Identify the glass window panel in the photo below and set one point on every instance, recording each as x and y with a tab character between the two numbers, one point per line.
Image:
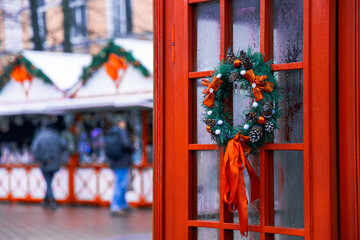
291	122
208	196
208	36
246	25
287	237
251	236
289	189
202	136
253	207
241	102
288	31
207	234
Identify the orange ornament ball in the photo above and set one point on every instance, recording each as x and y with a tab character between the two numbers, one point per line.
237	63
208	129
261	120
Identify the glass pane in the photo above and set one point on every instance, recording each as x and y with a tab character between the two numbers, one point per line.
291	122
289	189
253	207
246	25
208	36
241	102
251	236
287	237
208	196
288	31
207	234
202	136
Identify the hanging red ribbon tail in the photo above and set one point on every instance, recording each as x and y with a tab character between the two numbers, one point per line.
233	182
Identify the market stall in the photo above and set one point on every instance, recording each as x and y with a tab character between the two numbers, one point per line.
113	82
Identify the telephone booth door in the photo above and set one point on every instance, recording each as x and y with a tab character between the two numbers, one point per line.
298	191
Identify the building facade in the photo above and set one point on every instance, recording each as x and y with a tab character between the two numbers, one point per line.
92	23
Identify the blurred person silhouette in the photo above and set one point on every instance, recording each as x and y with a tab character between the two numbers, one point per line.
49	151
118	149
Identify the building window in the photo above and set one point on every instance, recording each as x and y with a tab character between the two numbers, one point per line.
122	17
41	12
78	28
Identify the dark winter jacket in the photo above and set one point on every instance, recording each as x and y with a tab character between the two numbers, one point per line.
127	149
49	150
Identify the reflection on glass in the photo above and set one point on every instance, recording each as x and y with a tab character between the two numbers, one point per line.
241	102
289	189
207	234
287	237
208	36
208	196
246	25
203	137
251	236
253	207
291	122
288	31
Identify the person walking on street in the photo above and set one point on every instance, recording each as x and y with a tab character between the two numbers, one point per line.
118	149
49	151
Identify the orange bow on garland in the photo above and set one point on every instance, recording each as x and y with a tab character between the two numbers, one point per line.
258	84
233	182
210	91
113	65
20	74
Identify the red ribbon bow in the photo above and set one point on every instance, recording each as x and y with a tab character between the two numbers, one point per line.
258	84
232	180
210	91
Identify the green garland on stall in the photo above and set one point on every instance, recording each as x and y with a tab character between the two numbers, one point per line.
225	131
5	73
102	57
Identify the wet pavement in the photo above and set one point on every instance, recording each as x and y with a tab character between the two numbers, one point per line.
28	222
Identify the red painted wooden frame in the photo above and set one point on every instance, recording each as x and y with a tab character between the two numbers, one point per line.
349	117
174	178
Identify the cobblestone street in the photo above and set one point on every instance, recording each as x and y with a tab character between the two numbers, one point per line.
27	222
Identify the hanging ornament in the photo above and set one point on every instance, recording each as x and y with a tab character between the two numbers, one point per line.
234	76
208	129
267	110
209	112
255	133
217	131
230	56
220	122
261	120
255	104
242	73
246	126
269	126
251	117
237	63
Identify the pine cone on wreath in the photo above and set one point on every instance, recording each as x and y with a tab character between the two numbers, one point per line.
250	117
267	110
210	122
230	56
269	126
245	61
234	76
255	133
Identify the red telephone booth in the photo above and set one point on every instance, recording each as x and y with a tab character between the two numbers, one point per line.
300	172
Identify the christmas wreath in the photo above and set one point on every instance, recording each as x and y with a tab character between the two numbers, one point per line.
254	75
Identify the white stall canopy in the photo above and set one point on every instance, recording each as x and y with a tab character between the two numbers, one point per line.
119	76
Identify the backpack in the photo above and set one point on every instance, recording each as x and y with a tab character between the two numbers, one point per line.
113	145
